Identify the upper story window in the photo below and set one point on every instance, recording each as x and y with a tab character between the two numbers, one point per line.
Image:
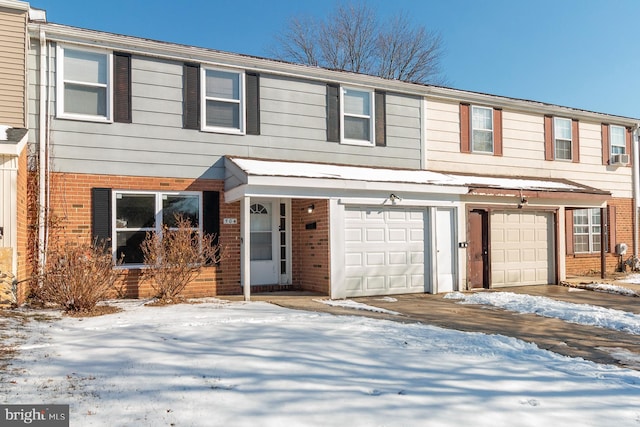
84	83
618	139
586	230
562	138
223	101
357	116
482	129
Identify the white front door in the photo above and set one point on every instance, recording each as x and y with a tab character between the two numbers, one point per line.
264	245
445	250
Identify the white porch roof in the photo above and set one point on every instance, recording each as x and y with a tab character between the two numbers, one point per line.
277	178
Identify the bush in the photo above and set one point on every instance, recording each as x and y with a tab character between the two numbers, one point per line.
77	277
175	259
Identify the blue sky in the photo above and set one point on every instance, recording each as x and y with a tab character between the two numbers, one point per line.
577	53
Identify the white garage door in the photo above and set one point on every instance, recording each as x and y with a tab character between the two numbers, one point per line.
521	248
384	251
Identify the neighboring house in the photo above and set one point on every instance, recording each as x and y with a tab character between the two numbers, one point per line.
314	179
13	139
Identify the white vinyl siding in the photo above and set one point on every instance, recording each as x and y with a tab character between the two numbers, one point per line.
84	84
357	116
223	95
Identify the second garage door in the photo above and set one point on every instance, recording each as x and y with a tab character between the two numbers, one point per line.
384	251
521	248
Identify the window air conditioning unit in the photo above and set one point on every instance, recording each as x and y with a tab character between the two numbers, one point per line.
620	159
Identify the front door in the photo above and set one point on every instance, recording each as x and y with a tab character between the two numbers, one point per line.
445	250
264	245
478	249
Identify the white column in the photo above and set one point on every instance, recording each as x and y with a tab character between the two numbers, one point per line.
245	246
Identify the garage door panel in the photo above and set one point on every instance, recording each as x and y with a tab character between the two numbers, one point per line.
375	235
397	258
398	282
520	248
392	246
397	235
375	283
374	259
353	259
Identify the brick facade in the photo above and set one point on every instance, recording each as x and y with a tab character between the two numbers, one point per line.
70	203
587	264
311	250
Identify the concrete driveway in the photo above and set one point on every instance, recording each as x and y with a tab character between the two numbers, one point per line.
589	342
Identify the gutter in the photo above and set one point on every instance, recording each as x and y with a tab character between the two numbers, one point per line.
42	148
636	187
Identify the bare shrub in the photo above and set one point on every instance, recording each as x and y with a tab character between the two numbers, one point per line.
175	258
77	277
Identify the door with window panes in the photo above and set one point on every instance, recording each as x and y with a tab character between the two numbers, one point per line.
269	247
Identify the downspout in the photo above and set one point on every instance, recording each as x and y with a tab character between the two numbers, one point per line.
42	142
635	169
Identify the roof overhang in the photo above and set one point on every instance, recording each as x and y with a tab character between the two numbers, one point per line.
14	142
277	178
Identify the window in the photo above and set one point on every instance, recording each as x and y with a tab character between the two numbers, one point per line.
586	230
562	138
618	139
84	83
482	129
223	101
357	116
138	213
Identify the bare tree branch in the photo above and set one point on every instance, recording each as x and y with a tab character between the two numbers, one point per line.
351	38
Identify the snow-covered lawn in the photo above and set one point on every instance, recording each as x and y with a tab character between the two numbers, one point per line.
255	364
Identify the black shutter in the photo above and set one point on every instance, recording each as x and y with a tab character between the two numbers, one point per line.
211	214
101	215
121	87
381	119
191	96
253	103
333	113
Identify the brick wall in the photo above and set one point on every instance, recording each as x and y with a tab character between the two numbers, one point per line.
70	202
24	268
311	256
587	264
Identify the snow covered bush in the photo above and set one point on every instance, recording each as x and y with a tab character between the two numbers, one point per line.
77	276
175	258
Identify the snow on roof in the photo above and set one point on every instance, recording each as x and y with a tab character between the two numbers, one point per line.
372	174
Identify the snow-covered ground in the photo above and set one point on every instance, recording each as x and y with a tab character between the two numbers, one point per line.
583	314
255	364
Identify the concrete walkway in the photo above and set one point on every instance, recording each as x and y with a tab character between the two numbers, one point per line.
568	339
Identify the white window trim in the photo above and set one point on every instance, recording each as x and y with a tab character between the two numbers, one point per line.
555	139
590	224
60	81
624	141
158	217
241	102
473	150
371	117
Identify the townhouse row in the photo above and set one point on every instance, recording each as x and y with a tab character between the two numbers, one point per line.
314	179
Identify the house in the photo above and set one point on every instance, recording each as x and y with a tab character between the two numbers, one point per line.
314	179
